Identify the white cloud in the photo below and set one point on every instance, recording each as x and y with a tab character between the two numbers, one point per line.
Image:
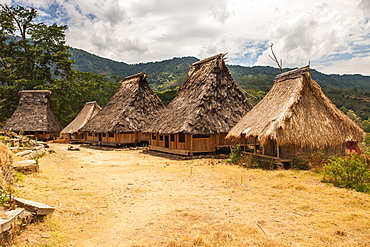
132	31
326	30
356	65
7	2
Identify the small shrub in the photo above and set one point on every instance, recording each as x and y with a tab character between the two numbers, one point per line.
4	197
19	177
37	156
349	172
236	154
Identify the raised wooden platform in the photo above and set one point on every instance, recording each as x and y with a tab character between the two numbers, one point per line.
277	159
77	141
170	150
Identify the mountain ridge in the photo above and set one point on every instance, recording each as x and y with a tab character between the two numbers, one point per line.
347	92
86	61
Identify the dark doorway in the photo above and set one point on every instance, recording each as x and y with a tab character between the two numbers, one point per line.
166	141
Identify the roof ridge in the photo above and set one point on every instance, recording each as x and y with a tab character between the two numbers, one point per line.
141	74
293	73
210	58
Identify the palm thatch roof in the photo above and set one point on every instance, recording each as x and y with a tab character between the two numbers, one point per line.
130	109
296	112
208	102
89	111
33	113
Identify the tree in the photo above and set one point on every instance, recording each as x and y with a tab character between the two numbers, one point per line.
31	55
70	95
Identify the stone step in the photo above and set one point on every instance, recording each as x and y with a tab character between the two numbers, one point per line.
34	207
10	218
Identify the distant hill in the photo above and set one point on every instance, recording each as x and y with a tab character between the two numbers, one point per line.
348	92
167	74
164	73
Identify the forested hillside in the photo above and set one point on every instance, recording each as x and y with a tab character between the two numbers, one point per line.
348	92
167	74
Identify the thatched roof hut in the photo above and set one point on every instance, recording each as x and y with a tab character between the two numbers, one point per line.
129	110
208	102
33	114
297	115
89	111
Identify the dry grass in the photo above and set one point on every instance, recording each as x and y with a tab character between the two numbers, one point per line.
127	198
6	167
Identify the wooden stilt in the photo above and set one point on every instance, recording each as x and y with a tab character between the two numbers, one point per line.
255	145
191	144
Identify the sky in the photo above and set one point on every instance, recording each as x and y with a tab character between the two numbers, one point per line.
333	36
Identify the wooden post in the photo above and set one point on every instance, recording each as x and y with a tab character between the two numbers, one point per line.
255	144
191	144
277	150
217	140
263	150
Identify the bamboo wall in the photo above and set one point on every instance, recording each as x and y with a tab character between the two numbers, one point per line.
292	151
172	143
75	136
116	139
42	135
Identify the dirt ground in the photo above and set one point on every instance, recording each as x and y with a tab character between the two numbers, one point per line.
132	198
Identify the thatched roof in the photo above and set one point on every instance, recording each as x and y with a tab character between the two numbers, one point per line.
131	108
208	102
89	111
296	112
33	113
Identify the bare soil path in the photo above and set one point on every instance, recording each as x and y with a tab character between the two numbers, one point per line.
131	198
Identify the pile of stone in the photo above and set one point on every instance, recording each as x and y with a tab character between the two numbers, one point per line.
28	149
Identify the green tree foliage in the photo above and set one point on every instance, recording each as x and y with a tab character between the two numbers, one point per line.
352	115
167	95
69	96
349	172
366	125
31	55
